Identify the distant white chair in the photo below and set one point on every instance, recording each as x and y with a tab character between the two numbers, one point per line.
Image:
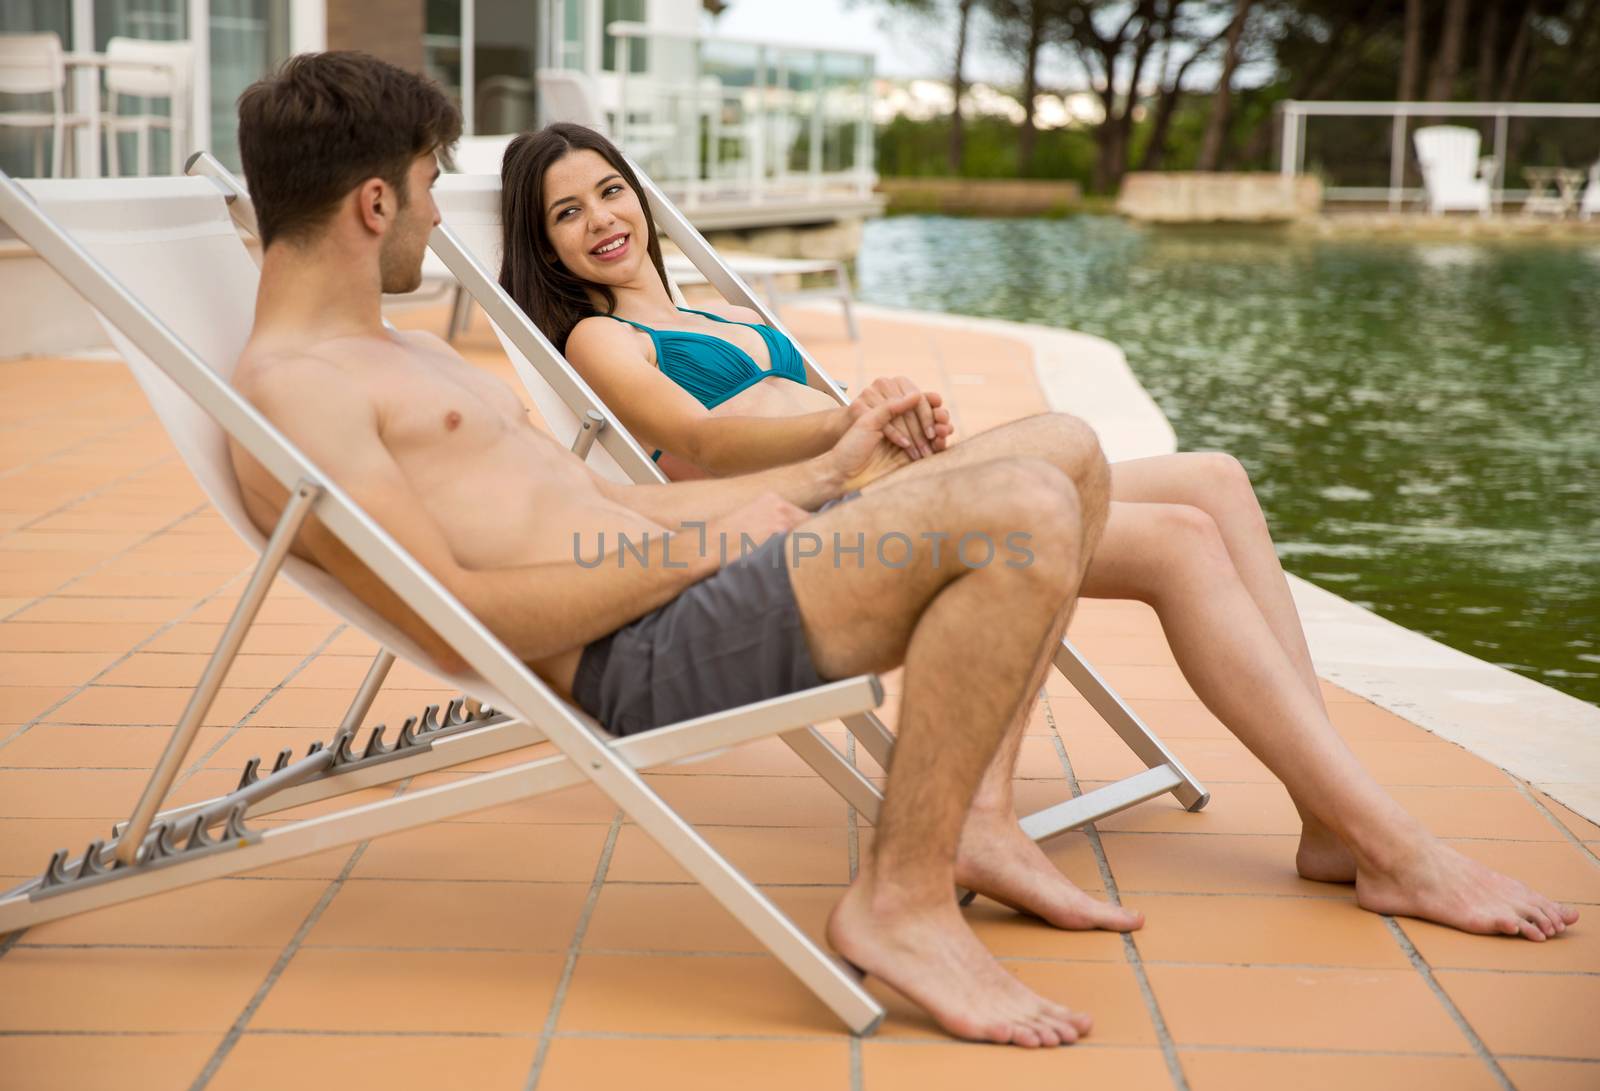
565	95
147	70
1591	193
1455	178
32	64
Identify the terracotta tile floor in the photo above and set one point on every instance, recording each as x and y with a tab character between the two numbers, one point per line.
548	943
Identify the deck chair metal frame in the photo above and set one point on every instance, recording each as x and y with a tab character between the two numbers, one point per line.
566	401
156	851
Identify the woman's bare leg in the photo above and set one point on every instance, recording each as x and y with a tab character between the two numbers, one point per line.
1173	556
1218	485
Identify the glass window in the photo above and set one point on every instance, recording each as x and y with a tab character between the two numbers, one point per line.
623	11
505	45
249	38
26	152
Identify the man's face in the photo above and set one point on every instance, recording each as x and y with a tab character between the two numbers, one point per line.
406	241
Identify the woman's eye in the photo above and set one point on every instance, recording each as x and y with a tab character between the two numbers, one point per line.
615	188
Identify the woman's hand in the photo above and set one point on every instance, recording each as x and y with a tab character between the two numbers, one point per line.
864	453
919	431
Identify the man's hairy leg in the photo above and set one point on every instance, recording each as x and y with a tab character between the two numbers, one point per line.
1174	557
996	858
971	640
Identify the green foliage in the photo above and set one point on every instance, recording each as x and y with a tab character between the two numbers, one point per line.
918	149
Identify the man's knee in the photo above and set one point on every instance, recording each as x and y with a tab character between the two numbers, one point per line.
1075	448
1030	510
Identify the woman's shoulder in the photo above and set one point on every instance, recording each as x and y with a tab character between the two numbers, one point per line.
602	334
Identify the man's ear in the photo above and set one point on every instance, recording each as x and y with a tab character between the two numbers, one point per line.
375	205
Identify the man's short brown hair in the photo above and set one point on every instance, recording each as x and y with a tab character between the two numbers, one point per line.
326	122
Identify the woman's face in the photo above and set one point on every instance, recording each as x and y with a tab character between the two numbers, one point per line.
594	220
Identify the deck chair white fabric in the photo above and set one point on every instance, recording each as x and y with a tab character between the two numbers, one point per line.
469	243
161	261
1454	177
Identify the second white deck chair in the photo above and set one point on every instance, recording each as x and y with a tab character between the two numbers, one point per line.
1455	179
162	263
469	243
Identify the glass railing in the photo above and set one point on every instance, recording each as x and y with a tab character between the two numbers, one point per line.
733	120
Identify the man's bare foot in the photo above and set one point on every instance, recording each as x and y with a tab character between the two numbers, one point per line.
930	955
1323	858
1437	883
999	861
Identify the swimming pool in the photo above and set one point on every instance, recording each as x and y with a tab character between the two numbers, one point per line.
1421	419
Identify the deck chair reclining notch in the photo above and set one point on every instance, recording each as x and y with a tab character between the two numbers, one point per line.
180	335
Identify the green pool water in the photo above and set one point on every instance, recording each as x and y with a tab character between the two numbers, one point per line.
1421	419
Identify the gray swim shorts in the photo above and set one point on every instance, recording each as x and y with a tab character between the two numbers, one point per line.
730	640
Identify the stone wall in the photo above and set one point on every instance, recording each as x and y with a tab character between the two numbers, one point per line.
1213	197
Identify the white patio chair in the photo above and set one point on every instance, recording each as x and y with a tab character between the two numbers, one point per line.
469	243
161	261
1453	175
565	95
147	70
32	64
1591	193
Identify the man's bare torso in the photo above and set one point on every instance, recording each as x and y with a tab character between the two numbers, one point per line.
503	494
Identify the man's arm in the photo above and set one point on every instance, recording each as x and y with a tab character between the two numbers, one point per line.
538	610
860	456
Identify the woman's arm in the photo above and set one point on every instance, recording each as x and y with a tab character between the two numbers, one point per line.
662	414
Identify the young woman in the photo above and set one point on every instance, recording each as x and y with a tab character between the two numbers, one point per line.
721	394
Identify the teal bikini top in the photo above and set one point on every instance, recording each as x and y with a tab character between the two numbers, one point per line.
714	370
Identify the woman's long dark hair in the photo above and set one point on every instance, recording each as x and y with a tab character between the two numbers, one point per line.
530	272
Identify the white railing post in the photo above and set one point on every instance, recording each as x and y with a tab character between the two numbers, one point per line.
1499	158
1289	151
1397	161
814	160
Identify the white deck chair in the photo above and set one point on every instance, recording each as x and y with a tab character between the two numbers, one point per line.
469	243
1590	204
161	261
1455	179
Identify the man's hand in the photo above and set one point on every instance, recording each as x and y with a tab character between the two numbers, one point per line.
864	453
920	431
758	520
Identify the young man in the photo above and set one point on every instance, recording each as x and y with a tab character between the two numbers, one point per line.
340	153
339	150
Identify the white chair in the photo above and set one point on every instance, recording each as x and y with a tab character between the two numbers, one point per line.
147	70
161	261
565	95
1453	175
1591	193
32	64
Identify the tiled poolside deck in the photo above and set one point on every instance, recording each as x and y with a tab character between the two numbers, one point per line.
549	944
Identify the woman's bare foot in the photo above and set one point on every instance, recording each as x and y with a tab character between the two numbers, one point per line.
1322	857
999	861
930	955
1436	883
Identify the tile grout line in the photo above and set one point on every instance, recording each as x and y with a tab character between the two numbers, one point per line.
1425	971
45	460
129	654
290	949
1559	825
1169	1048
92	494
559	997
199	763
